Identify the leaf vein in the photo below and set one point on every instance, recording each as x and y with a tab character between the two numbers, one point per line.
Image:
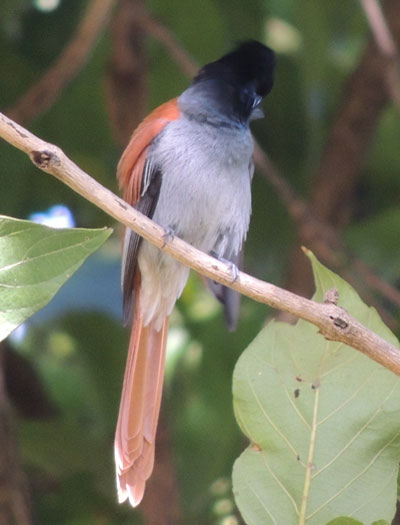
355	478
268	419
359	432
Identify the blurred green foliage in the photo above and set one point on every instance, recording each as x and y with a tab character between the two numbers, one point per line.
80	351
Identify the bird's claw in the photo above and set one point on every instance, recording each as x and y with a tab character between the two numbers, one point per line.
233	269
232	266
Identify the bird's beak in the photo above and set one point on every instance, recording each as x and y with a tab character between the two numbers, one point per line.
256	113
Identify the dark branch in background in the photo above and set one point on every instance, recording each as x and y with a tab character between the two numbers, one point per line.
15	504
127	82
386	44
45	92
325	241
127	96
161	502
160	32
379	27
24	386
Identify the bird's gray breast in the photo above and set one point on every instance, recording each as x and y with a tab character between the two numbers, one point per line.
205	192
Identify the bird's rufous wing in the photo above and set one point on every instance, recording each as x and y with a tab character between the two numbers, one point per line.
140	180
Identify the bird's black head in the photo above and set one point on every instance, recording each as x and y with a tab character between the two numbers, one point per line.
239	80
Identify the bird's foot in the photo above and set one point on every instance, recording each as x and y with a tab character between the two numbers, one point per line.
232	266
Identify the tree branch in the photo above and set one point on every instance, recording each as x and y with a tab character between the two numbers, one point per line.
333	322
42	95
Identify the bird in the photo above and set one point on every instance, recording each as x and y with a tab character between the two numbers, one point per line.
188	166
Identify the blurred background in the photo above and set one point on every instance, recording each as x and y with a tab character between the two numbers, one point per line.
82	74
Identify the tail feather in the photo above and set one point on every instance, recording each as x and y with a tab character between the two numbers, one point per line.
139	409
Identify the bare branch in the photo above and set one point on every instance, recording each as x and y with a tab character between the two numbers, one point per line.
333	322
72	59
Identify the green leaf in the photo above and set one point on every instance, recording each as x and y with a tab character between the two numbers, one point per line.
35	261
323	421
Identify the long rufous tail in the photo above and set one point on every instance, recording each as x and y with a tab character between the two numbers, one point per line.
139	409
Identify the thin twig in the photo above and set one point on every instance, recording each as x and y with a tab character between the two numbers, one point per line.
43	93
379	27
386	44
375	282
322	235
160	32
333	322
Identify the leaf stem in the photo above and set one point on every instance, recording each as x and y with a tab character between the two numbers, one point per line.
310	465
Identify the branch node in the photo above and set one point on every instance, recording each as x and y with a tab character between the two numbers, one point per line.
44	159
340	322
331	296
